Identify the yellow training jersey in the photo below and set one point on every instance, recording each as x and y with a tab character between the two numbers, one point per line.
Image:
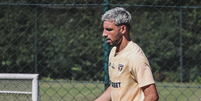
129	70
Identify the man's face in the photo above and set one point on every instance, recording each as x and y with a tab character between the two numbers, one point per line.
111	33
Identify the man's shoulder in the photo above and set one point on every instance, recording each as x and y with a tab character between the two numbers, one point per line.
135	51
133	48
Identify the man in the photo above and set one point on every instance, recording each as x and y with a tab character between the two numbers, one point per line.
129	70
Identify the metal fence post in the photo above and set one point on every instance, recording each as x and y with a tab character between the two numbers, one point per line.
36	50
106	51
181	60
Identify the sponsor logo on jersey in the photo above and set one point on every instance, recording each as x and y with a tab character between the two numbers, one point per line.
112	65
115	84
120	67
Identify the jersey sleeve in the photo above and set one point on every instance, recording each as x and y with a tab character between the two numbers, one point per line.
141	70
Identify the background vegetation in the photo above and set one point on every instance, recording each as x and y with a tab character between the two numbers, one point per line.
61	39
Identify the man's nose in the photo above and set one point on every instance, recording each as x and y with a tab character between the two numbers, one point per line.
104	34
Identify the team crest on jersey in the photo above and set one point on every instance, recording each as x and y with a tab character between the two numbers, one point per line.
120	67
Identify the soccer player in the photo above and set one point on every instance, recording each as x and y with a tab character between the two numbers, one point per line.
130	74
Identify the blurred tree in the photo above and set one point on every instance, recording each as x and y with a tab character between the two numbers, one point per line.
68	44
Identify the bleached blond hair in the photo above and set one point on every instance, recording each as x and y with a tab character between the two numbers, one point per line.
119	15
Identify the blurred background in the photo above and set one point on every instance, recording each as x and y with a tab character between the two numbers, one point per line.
61	40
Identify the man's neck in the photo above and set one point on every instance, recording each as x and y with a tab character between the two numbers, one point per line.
122	46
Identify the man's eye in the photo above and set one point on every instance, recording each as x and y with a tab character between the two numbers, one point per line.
108	29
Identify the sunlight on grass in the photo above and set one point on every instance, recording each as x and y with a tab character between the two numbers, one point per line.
62	91
75	91
179	91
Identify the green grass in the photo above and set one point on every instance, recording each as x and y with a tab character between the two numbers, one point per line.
61	91
77	91
15	85
179	91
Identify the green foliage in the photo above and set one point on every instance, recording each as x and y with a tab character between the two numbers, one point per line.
65	42
198	80
159	35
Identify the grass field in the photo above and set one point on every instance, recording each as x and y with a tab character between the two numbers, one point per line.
15	85
62	91
179	91
77	91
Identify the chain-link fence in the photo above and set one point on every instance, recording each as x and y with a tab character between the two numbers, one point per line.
61	40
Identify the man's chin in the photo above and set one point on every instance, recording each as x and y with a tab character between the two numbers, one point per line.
111	44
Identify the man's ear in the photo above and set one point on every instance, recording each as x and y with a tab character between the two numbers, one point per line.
123	29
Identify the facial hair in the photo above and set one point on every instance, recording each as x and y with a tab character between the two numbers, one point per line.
118	40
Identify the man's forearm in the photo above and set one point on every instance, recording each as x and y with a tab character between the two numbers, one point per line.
150	93
106	96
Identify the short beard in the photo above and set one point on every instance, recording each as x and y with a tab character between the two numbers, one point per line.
118	41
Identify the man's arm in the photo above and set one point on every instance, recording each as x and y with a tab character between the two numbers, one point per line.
106	96
150	93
